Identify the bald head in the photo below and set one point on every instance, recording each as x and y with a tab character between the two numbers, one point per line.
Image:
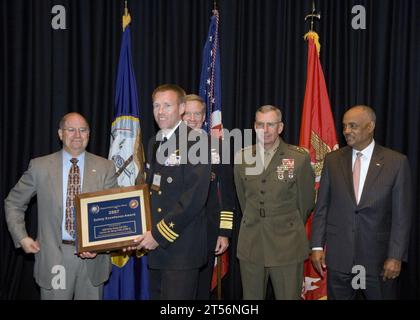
358	126
366	109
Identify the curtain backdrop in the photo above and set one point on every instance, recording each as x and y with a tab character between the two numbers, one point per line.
45	73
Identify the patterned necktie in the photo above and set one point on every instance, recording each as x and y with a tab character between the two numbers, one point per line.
73	188
356	175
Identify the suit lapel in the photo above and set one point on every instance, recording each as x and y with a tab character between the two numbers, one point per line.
88	174
155	143
375	167
170	146
56	171
346	168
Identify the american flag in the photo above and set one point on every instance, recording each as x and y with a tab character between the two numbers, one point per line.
211	92
210	80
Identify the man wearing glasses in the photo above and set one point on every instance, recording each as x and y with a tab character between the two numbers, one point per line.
275	202
56	179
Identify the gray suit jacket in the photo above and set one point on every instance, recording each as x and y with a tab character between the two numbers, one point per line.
375	229
44	179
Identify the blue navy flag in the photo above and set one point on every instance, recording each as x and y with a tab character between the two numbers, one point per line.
210	79
129	279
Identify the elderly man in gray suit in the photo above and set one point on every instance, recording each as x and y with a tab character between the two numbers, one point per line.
362	214
56	179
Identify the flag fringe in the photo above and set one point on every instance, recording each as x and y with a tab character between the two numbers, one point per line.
126	19
315	37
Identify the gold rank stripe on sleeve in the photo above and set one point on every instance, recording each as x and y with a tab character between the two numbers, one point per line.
167	233
226	220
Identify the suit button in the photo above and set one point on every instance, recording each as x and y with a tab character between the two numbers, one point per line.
263	180
159	210
261	202
356	212
262	191
160	192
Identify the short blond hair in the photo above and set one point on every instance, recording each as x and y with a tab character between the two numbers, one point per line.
170	87
195	97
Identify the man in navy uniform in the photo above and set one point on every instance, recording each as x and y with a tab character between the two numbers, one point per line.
220	202
178	191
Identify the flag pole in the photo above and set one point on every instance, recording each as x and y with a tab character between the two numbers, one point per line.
218	258
311	33
219	277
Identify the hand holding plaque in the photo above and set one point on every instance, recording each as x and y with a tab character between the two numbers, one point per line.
111	219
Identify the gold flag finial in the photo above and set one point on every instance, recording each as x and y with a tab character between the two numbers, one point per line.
214	7
311	33
126	17
313	16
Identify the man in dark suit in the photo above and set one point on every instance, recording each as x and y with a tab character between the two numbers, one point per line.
48	177
220	201
363	213
179	189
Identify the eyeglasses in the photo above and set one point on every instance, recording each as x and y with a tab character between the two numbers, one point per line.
82	130
271	125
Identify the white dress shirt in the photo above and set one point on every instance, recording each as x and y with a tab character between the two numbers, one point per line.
364	164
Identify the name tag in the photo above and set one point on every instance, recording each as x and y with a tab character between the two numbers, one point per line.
156	182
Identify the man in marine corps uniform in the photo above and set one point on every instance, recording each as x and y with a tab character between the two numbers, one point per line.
220	201
178	192
276	195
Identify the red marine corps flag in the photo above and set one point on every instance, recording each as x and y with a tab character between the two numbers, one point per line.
317	134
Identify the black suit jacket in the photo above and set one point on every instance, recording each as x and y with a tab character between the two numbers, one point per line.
220	203
178	207
375	229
